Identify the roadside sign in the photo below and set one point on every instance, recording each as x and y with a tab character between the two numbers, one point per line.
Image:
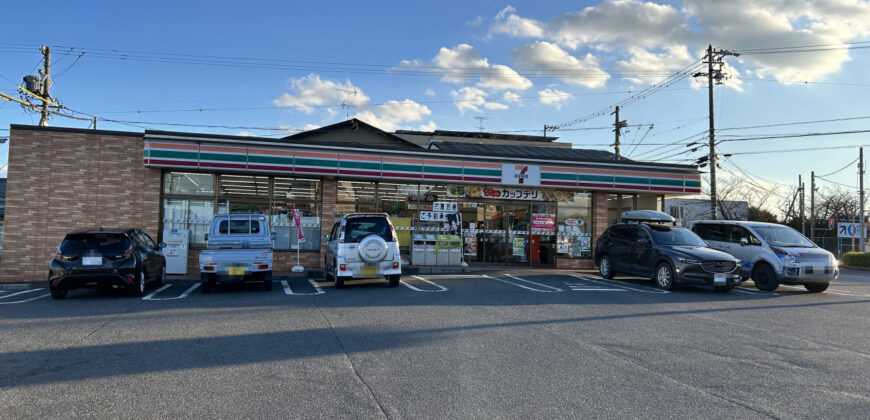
848	230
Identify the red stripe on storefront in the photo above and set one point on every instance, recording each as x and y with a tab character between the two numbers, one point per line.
671	189
153	161
447	177
223	165
401	175
317	170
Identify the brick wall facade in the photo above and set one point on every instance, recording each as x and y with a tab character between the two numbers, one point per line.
64	180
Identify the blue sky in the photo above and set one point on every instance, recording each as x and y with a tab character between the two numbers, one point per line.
438	65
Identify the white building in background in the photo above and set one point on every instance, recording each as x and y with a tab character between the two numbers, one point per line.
686	210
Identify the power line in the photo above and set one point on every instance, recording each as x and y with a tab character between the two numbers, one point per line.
841	169
794	123
838	183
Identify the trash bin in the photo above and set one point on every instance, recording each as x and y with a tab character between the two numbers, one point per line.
418	249
442	250
454	250
430	250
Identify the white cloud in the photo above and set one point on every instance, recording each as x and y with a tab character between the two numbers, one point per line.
553	97
477	21
391	115
511	97
648	67
473	99
312	91
507	22
246	134
430	126
429	92
462	64
551	60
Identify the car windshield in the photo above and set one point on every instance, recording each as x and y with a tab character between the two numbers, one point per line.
676	237
102	243
783	236
358	228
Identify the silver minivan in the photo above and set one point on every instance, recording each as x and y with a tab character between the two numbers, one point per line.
771	253
361	246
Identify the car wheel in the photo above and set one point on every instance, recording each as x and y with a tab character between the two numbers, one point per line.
816	288
207	281
723	288
267	280
605	267
138	288
162	280
58	292
339	282
394	280
664	276
764	278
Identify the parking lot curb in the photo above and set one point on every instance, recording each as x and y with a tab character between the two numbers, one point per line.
854	267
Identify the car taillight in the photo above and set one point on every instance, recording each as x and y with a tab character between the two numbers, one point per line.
341	235
262	267
342	267
129	252
395	265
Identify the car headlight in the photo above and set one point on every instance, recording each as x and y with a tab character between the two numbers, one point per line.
790	259
688	260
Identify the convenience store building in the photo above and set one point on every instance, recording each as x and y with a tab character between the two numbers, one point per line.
520	200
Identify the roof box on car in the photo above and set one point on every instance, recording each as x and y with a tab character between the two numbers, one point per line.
647	216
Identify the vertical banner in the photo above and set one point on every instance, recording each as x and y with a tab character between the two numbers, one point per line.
297	218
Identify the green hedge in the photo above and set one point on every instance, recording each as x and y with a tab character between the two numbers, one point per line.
861	259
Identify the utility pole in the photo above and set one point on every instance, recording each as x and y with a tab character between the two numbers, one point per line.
714	57
46	82
861	197
813	206
803	219
550	127
617	127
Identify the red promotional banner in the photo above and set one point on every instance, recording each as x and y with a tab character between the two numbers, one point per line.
297	218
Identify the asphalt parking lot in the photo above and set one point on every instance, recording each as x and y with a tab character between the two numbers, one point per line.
500	344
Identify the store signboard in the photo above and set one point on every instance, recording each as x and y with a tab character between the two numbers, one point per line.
513	174
434	216
512	193
445	206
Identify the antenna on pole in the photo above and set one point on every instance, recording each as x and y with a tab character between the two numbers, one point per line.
480	120
344	103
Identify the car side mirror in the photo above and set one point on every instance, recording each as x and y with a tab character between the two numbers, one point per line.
326	238
205	237
644	242
161	245
744	241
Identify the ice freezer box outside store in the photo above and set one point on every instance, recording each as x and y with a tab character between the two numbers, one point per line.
454	250
431	241
175	251
442	247
418	249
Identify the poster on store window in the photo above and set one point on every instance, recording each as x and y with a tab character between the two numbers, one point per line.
469	245
519	246
543	221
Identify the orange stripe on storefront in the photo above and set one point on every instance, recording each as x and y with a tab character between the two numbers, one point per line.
271	152
559	169
317	155
482	165
403	160
360	157
223	149
174	146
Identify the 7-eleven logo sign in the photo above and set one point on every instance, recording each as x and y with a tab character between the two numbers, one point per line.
514	174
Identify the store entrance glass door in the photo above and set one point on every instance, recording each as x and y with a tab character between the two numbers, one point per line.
517	225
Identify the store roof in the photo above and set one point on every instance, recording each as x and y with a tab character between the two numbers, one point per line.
531	152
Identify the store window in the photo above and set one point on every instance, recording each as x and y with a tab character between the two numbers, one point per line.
575	227
188	203
303	195
356	196
183	183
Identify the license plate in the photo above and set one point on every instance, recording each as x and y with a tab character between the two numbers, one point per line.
368	270
237	271
719	279
92	260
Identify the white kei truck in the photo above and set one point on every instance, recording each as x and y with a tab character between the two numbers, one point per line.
239	248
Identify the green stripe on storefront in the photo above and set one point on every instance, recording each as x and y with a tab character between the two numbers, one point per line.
221	157
631	180
316	162
556	175
359	165
174	154
443	170
673	182
696	184
483	172
403	168
270	159
596	178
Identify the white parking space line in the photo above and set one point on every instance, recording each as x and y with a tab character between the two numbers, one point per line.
614	283
23	300
831	291
22	292
289	291
581	287
754	292
166	286
552	289
416	289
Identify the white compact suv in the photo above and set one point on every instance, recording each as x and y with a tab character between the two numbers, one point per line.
771	253
360	246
